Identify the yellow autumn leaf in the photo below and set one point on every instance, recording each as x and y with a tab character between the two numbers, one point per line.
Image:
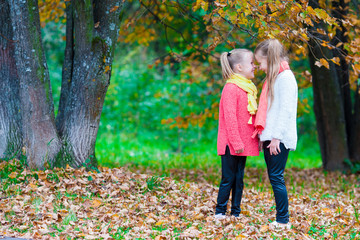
205	6
13	175
114	9
356	67
322	14
245	212
32	186
240	236
264	228
336	60
96	203
239	226
326	210
196	5
311	10
199	216
322	62
42	175
304	35
159	223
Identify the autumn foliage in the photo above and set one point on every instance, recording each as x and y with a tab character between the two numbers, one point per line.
197	32
118	204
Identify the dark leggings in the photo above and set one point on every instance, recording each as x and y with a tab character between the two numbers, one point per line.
275	167
232	175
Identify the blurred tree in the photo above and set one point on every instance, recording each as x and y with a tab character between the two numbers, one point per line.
91	32
336	127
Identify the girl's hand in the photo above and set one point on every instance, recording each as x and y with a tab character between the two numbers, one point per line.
261	146
274	146
239	151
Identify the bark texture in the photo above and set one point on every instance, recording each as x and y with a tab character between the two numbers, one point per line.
38	124
331	101
339	10
355	141
94	28
329	113
67	69
355	130
10	118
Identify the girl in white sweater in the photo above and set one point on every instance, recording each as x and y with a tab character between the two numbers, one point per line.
276	121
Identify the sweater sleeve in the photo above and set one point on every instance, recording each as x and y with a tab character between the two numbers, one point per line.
286	92
230	106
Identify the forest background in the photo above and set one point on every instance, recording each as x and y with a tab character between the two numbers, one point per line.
150	69
152	92
157	64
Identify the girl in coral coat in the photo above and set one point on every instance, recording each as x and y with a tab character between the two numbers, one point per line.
236	116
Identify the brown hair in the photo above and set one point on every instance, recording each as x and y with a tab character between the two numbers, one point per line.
274	53
228	61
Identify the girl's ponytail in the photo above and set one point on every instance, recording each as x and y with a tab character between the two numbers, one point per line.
227	71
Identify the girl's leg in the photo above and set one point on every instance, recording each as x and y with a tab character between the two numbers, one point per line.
228	164
275	167
238	185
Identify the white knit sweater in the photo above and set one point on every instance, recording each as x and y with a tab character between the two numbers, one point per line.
281	117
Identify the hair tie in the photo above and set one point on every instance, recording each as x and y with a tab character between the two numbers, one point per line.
229	53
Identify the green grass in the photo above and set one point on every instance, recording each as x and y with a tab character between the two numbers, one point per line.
120	149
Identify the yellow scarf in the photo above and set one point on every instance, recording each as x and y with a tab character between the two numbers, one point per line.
249	87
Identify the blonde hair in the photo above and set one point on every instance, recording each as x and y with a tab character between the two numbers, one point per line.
274	53
228	61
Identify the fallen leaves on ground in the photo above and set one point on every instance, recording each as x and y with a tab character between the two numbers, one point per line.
119	204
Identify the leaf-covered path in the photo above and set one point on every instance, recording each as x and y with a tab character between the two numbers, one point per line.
119	204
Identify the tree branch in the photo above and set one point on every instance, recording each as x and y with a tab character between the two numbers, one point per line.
240	28
13	41
174	29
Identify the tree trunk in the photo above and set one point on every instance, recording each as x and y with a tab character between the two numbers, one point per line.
67	69
39	134
95	29
328	104
339	11
10	118
355	136
355	140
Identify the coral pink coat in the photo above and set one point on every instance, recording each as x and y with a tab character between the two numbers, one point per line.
234	129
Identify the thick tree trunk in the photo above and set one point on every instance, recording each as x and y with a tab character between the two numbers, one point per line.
95	30
339	11
328	104
10	118
355	136
39	134
355	141
67	69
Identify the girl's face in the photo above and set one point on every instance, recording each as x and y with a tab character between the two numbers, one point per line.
262	62
247	67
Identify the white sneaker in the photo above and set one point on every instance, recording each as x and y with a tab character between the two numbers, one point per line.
220	216
279	226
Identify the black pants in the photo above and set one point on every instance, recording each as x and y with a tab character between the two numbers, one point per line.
275	167
232	175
